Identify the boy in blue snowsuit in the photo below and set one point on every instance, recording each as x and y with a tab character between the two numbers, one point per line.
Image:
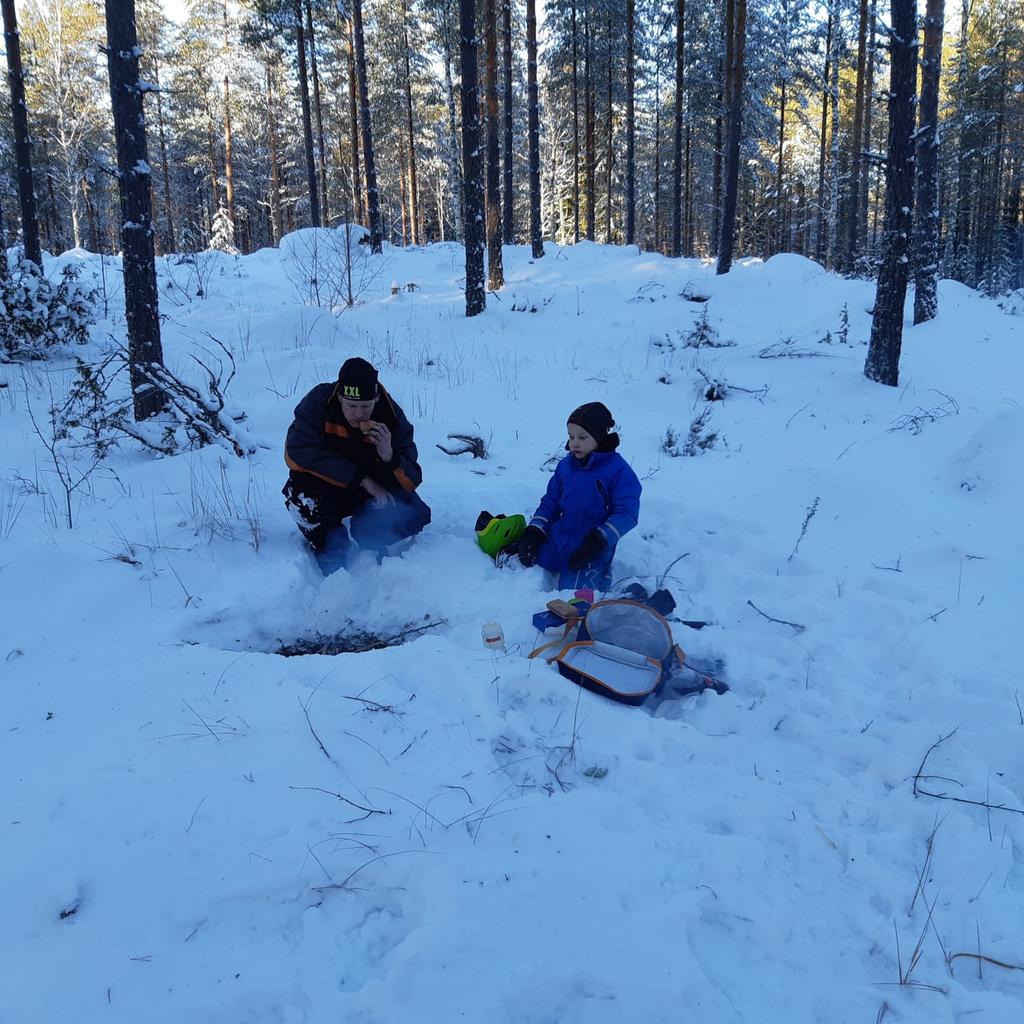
592	500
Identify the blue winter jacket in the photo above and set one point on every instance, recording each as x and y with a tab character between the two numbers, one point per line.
602	492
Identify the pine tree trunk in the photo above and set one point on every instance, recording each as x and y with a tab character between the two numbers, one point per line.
355	171
856	158
630	122
832	253
353	116
883	359
737	17
142	311
716	186
575	126
507	205
325	208
307	122
657	159
688	217
864	187
229	165
555	191
454	160
473	204
402	196
991	227
276	221
926	223
169	242
821	243
961	236
414	200
372	196
677	137
211	159
608	136
533	115
590	155
780	227
495	271
22	139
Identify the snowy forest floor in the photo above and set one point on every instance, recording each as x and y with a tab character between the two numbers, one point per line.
196	828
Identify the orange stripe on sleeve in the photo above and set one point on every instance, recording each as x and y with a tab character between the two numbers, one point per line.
293	465
404	480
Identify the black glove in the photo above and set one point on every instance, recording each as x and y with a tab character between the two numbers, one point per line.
590	547
529	545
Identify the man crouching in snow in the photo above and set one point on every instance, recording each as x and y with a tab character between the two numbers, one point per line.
350	452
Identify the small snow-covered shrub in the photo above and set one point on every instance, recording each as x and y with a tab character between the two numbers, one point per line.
699	438
38	315
704	334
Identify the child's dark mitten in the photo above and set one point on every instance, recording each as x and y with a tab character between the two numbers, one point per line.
590	547
529	545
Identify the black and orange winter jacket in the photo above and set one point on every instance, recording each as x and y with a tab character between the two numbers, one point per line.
320	442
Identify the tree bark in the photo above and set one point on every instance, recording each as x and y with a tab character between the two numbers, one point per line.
507	197
473	204
454	162
142	311
325	207
575	127
229	164
677	137
610	125
169	242
630	122
276	219
533	114
211	159
737	18
688	219
372	196
353	115
856	158
780	164
821	243
414	201
402	194
832	253
962	230
864	187
716	204
495	271
883	359
590	155
657	159
22	139
926	224
307	123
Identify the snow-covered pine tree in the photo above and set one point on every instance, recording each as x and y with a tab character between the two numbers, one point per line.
883	358
22	140
142	310
476	296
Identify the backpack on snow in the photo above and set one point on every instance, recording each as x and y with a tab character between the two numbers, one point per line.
619	649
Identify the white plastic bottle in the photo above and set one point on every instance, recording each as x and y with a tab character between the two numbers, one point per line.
493	636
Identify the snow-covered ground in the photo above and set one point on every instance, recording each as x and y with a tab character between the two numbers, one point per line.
195	828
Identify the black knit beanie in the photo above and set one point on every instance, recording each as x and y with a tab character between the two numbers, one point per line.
357	381
597	421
